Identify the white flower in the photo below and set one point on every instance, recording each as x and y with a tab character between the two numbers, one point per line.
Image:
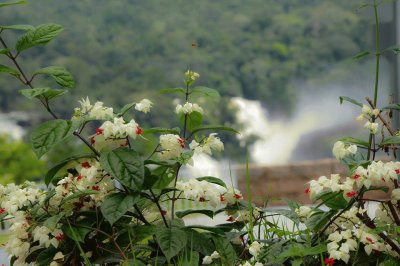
98	111
340	150
303	212
144	106
172	146
215	255
188	108
396	194
372	127
85	105
191	75
255	248
207	260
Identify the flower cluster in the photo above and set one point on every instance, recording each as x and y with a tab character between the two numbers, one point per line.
188	108
209	259
191	75
212	142
370	115
213	194
341	150
96	111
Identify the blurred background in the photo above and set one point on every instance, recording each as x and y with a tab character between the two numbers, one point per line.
280	67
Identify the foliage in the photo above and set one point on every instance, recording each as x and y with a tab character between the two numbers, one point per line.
112	206
17	162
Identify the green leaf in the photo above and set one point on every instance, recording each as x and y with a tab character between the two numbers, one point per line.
4	51
182	214
319	219
56	168
76	233
217	128
59	74
333	200
17	27
190	258
175	90
125	165
390	140
162	130
9	70
171	240
193	120
125	109
298	250
52	221
361	55
47	93
165	175
79	194
394	106
359	142
344	98
207	92
200	242
39	36
46	256
225	249
13	3
116	205
49	134
214	180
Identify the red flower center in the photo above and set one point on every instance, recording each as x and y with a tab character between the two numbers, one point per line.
139	130
351	194
307	190
356	176
329	261
397	171
370	240
222	198
99	131
79	177
181	142
2	210
97	188
60	237
86	165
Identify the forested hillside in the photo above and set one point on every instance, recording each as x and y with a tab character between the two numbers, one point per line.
120	51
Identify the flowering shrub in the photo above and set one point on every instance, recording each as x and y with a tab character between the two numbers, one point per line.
110	206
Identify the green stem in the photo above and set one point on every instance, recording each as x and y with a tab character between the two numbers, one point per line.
378	55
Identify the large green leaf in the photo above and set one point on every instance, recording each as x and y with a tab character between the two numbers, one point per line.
125	165
116	205
171	240
125	109
41	35
190	258
49	134
47	93
59	74
164	176
9	70
13	3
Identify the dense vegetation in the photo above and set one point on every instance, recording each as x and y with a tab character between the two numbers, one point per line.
121	51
